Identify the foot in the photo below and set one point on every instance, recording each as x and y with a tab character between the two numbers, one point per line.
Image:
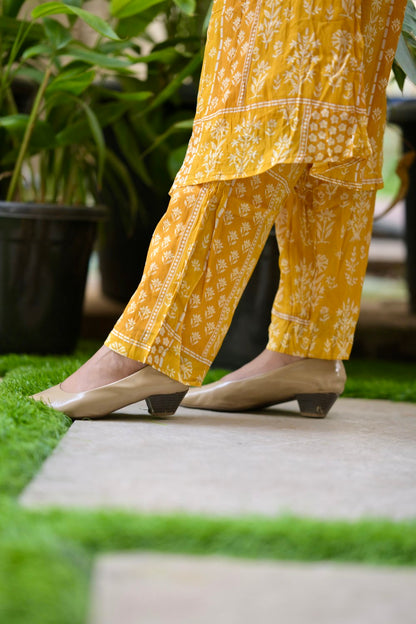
314	383
161	393
266	362
104	367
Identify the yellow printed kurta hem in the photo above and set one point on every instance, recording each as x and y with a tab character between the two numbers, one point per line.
294	82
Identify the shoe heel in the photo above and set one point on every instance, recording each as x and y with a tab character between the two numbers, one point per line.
316	405
164	404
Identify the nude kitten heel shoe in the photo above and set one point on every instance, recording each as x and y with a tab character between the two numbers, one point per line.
162	394
315	384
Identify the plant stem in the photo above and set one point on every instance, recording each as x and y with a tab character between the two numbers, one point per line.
28	133
68	192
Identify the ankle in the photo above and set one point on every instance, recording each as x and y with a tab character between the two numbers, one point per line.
104	367
283	359
119	365
266	362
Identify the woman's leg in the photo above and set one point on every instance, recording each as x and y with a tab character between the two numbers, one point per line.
324	237
200	259
323	233
199	262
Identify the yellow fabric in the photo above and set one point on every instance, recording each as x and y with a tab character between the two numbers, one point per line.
288	128
286	81
324	234
205	248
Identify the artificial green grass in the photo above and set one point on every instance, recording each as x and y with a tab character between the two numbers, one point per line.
46	556
378	379
29	430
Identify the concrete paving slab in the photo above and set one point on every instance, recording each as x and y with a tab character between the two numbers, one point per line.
359	461
159	589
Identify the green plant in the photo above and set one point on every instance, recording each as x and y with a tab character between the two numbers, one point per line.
89	111
47	54
404	64
147	143
56	150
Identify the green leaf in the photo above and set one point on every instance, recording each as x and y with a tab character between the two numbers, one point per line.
57	34
399	75
79	131
17	37
73	134
37	50
43	135
207	19
98	136
167	55
175	160
410	41
405	60
136	24
174	85
112	47
127	8
183	42
138	96
409	22
95	58
75	3
14	122
128	147
84	130
73	81
185	124
187	6
58	8
30	73
10	29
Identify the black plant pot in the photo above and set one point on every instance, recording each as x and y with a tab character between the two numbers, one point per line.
248	333
44	254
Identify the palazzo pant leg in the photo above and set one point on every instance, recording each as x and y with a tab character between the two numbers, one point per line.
200	259
205	248
323	233
203	253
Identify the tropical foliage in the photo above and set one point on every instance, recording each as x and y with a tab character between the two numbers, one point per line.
121	83
75	90
405	60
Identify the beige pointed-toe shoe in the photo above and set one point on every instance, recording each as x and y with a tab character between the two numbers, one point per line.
315	384
162	395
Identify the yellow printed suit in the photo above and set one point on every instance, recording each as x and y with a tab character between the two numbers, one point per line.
288	131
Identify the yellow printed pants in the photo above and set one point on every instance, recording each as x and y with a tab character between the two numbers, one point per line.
205	248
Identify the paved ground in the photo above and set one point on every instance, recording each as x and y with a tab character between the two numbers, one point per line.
359	461
165	589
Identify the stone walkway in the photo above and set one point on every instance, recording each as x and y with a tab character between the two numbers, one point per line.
359	461
165	589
